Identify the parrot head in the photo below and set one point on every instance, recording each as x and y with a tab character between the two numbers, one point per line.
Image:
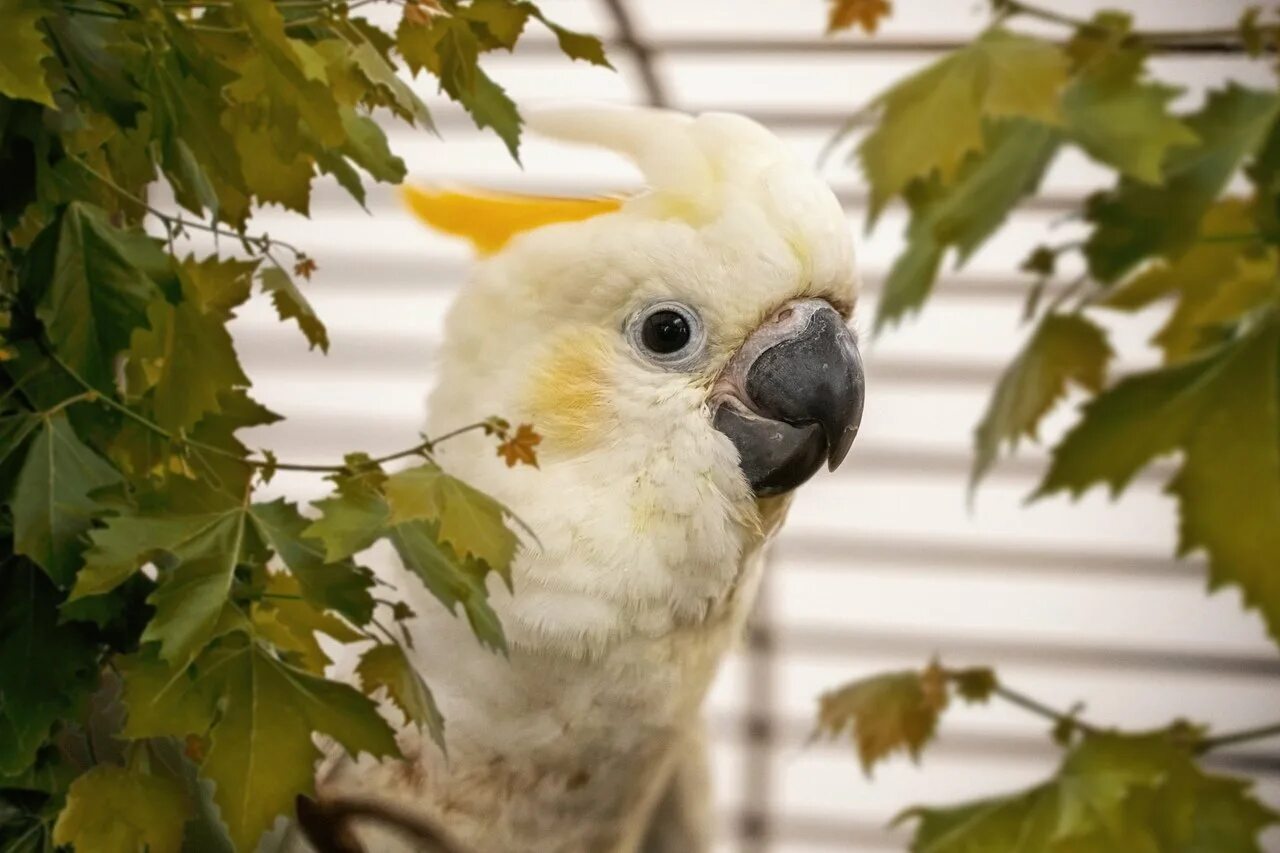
700	323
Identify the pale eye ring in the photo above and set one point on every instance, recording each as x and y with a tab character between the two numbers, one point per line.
667	333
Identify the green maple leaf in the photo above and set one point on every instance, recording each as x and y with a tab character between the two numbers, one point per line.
192	595
965	212
573	44
98	288
1215	281
114	810
469	520
1136	220
388	667
274	178
47	668
1112	794
259	714
1223	411
338	585
52	504
1064	349
999	75
380	73
23	50
1119	118
298	88
359	514
451	580
217	285
187	105
292	305
186	360
450	49
351	520
291	623
366	145
885	713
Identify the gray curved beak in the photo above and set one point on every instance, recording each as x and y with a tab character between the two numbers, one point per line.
792	396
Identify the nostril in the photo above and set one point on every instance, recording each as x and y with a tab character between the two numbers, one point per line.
784	315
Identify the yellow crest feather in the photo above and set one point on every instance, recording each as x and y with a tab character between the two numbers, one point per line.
489	219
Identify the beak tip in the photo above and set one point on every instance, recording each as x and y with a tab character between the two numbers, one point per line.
840	449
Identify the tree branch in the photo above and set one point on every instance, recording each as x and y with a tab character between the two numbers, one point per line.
1233	738
91	394
1186	39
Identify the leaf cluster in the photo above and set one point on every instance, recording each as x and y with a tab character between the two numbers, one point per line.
962	143
1113	791
1174	232
163	631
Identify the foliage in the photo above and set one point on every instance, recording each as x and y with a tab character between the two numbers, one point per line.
1178	231
161	676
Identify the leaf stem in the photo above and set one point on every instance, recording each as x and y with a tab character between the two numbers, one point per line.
177	226
1242	736
1151	38
421	448
1037	707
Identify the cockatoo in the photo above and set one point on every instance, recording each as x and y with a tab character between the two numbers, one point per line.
685	355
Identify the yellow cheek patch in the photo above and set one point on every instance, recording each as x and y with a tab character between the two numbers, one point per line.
570	401
489	220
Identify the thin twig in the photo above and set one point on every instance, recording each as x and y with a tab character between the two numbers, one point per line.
92	394
1242	736
1151	38
177	225
1037	707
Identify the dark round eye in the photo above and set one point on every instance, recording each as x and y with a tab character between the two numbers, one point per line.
669	334
665	332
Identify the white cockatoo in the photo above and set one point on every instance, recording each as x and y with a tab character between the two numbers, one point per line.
685	356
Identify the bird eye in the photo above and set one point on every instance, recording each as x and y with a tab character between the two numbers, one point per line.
667	333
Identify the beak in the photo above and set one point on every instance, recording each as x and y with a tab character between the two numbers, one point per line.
792	396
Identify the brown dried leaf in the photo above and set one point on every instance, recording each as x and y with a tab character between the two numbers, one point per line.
866	14
519	447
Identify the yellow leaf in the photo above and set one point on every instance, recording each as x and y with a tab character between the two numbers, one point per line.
114	810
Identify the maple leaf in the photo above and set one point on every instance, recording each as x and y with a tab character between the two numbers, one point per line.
259	712
98	289
1064	349
52	502
304	267
1222	410
185	361
112	808
966	211
292	305
1135	220
520	447
388	667
897	710
469	520
1111	111
867	14
998	76
1214	281
23	51
1111	793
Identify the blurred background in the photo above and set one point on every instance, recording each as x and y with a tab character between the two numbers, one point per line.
885	563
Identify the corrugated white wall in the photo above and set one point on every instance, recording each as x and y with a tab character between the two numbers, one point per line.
881	564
